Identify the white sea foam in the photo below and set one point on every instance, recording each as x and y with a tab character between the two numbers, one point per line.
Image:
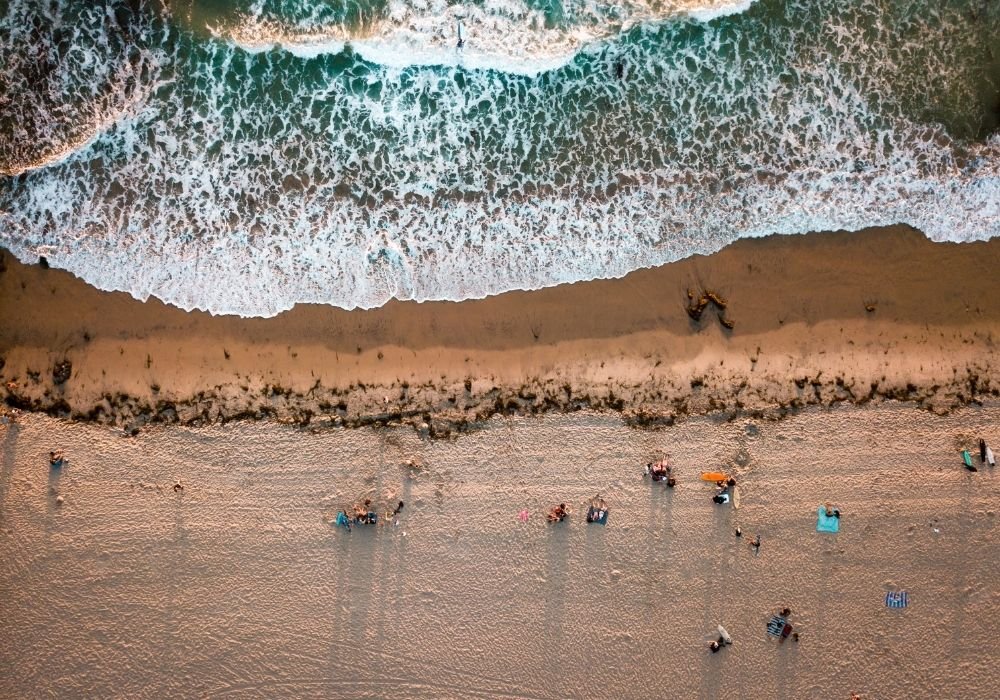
245	183
506	35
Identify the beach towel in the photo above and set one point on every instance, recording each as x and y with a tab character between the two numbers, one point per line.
597	516
343	520
967	459
989	457
896	599
775	625
826	523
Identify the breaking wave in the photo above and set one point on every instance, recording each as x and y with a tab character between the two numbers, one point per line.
152	152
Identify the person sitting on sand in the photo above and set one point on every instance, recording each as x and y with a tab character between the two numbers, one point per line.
557	513
55	459
660	469
362	513
831	511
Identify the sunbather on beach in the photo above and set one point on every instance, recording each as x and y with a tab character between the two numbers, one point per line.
598	508
660	469
557	513
361	511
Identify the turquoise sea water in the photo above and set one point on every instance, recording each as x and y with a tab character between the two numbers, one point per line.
244	156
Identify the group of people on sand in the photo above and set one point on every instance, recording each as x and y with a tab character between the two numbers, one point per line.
778	626
362	514
597	510
662	470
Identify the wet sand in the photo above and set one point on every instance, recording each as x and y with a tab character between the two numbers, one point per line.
817	319
240	587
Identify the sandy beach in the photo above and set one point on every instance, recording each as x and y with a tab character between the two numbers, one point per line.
240	585
857	368
818	319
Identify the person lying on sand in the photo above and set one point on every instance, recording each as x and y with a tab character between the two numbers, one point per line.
723	640
598	508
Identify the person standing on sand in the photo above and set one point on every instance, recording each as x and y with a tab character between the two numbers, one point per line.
756	545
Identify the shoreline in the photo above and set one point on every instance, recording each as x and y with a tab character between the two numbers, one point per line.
823	318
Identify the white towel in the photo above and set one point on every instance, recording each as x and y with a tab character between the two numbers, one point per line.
989	458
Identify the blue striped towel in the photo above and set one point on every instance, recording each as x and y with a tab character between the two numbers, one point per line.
895	599
775	625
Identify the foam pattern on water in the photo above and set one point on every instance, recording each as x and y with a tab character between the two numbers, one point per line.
245	182
514	36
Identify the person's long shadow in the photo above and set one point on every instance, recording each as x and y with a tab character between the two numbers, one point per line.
7	465
55	480
661	518
559	536
360	550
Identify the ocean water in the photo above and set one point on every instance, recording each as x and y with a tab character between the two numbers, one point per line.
244	156
240	587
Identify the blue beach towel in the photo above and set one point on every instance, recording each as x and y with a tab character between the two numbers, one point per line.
595	515
896	599
826	523
775	625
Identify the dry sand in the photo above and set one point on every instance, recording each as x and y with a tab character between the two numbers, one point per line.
823	318
240	587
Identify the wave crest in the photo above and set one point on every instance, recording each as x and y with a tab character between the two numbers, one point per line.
512	36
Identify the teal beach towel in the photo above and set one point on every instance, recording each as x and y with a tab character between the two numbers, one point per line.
826	523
